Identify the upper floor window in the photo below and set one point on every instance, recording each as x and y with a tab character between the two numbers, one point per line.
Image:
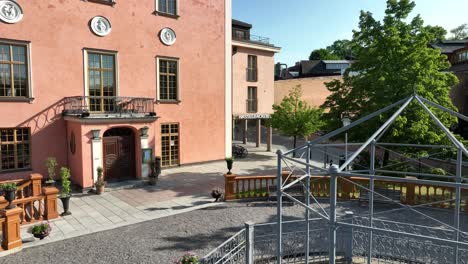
252	68
14	71
15	145
169	7
252	102
168	75
462	56
101	71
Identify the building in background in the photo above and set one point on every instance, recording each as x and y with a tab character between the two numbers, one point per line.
111	84
253	60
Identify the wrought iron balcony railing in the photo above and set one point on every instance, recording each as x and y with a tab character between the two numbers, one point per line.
86	105
252	105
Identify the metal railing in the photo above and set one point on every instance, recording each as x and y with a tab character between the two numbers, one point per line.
77	105
252	105
253	38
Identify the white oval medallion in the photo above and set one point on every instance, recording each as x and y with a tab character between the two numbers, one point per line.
10	11
167	36
101	26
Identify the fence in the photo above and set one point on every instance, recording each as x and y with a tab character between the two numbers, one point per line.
256	243
241	187
33	203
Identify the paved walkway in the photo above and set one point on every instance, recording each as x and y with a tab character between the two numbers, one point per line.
179	190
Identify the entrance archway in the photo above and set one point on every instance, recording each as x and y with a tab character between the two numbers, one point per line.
119	154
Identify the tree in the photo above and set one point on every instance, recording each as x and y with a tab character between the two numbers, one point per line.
460	32
395	61
341	48
322	54
294	117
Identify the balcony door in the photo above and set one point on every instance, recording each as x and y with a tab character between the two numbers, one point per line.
101	82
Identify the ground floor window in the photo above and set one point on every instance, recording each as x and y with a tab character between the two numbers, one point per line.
15	148
169	145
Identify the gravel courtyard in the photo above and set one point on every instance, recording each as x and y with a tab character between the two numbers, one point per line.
155	241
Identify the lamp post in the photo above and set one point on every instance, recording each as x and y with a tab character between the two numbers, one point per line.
346	121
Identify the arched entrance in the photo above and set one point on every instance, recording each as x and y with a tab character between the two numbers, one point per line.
119	154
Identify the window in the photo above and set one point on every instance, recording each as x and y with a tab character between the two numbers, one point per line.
168	7
169	145
15	149
252	99
252	68
101	82
14	74
168	79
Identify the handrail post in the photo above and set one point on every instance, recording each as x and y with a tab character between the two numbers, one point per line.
371	197
456	221
279	201
249	242
11	229
51	211
334	169
349	238
307	201
36	179
229	180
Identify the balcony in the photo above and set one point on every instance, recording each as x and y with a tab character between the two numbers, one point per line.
252	74
252	38
252	105
108	107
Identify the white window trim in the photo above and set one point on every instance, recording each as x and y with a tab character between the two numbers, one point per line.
29	62
157	7
158	99
85	68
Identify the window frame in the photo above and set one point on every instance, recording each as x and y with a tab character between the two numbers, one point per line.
104	2
15	142
158	77
254	69
170	124
86	52
162	13
30	96
253	100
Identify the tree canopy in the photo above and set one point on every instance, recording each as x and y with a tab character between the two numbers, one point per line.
342	49
293	117
394	61
460	32
322	54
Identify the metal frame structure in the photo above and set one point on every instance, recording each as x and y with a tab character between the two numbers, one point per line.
334	172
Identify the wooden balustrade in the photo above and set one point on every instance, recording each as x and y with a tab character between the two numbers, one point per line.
240	187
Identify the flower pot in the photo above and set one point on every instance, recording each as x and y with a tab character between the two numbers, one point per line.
41	235
229	165
99	189
66	205
10	197
153	180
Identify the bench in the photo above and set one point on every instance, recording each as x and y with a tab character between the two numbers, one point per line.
297	191
395	195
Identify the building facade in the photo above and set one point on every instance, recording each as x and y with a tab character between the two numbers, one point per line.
253	60
111	84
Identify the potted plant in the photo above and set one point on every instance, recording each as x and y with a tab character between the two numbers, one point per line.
41	230
51	164
155	166
100	183
229	162
188	258
65	193
9	192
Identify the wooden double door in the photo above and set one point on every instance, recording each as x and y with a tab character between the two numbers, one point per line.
119	155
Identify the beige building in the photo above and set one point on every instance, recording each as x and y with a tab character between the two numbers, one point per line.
314	90
252	80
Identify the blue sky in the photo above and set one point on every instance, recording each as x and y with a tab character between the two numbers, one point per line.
299	26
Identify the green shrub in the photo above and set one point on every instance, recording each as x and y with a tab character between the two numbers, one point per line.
11	186
66	183
51	164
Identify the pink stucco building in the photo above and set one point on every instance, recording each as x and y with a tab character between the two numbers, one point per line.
112	83
253	59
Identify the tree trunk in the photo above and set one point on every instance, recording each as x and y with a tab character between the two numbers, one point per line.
386	157
294	146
